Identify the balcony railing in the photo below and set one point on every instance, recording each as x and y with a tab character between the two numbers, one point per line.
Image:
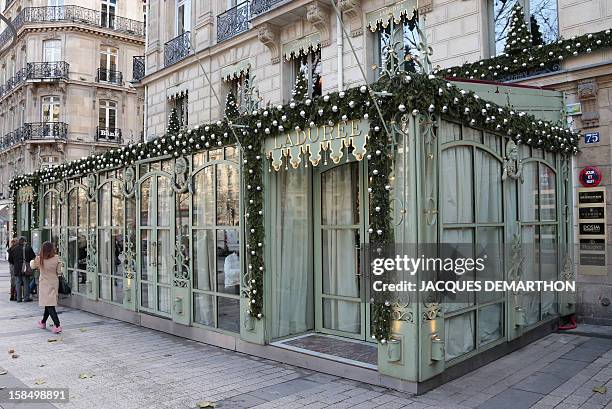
177	49
233	22
36	131
109	76
7	3
36	71
263	6
108	134
138	68
73	14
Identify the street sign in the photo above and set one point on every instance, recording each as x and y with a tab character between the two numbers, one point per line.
573	109
591	137
590	176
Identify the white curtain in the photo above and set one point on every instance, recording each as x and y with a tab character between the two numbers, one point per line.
204	272
292	280
339	202
457	207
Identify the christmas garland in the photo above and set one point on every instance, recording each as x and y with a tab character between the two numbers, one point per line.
17	183
412	93
525	61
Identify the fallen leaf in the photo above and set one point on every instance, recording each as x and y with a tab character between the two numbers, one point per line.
52	340
85	375
41	365
14	356
11	351
3	371
600	389
83	329
40	382
205	404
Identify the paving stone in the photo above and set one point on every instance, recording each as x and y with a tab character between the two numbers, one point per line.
512	399
540	382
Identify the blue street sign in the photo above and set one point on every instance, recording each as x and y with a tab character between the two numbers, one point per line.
592	137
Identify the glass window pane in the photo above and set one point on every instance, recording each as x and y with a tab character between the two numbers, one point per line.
203	309
490	323
548	202
342	315
529	192
147	295
227	195
105	287
204	198
203	259
340	195
340	262
456	190
449	132
163	299
228	262
117	205
164	201
146	204
489	188
228	310
471	134
164	251
146	253
459	335
105	205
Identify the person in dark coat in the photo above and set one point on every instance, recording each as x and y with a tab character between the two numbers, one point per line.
20	257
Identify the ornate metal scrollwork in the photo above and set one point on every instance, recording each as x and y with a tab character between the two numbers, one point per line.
180	181
91	183
513	166
402	312
129	255
61	192
129	182
182	272
92	253
568	273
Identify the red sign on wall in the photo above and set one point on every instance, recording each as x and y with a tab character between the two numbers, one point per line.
590	176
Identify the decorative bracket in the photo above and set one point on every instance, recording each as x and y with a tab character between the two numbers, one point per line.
513	166
269	36
352	10
91	187
129	184
319	16
180	182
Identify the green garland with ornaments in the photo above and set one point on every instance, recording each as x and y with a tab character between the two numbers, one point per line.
522	59
406	93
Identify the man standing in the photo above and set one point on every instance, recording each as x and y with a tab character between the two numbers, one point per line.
20	257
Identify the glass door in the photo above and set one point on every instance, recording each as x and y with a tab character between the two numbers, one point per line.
156	245
338	234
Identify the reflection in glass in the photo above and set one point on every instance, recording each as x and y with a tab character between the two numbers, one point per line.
145	203
227	195
228	262
204	198
203	309
342	315
203	259
164	251
229	314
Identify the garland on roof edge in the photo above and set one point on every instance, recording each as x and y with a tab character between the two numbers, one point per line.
524	61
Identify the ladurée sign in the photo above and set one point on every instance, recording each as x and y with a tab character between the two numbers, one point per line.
314	143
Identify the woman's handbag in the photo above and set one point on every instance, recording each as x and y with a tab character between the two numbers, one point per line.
64	287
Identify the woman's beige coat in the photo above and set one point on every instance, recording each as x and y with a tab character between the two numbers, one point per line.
48	283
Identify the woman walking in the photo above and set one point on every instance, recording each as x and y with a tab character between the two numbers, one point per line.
50	270
12	244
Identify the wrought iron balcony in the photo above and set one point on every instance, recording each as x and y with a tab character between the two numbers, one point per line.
36	71
108	134
263	6
36	131
73	14
7	3
233	21
177	49
48	70
138	68
109	76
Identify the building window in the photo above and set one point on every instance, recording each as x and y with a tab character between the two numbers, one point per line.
407	36
309	65
52	50
181	105
541	15
108	65
108	13
51	109
55	3
183	16
107	120
215	233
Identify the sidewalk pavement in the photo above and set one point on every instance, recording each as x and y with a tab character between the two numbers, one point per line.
111	364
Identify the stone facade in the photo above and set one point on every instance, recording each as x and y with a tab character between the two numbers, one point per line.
53	83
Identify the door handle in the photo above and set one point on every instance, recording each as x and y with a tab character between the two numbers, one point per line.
154	253
357	269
